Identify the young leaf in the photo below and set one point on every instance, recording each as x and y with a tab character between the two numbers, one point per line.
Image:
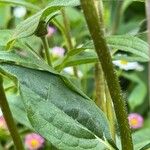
60	117
29	26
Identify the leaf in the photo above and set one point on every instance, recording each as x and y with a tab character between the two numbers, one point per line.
5	35
4	15
129	58
139	0
137	47
18	110
28	27
138	94
33	61
77	59
146	147
24	58
64	3
141	138
129	44
126	43
60	117
126	4
21	3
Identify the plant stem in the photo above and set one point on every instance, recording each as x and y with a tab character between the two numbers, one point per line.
67	30
9	118
68	36
100	88
104	56
46	48
117	17
148	36
110	112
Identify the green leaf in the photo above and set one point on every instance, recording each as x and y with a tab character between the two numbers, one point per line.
129	58
137	49
77	59
141	138
31	60
59	113
24	58
5	14
126	4
136	98
138	94
29	26
64	3
146	147
21	3
129	44
5	35
18	110
126	43
139	0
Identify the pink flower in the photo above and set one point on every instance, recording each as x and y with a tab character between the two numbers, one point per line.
135	120
34	141
51	30
58	51
3	124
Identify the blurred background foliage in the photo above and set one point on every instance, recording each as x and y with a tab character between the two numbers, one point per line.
126	17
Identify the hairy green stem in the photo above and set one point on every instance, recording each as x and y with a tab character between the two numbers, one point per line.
46	48
148	36
97	34
110	112
100	88
68	36
9	118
